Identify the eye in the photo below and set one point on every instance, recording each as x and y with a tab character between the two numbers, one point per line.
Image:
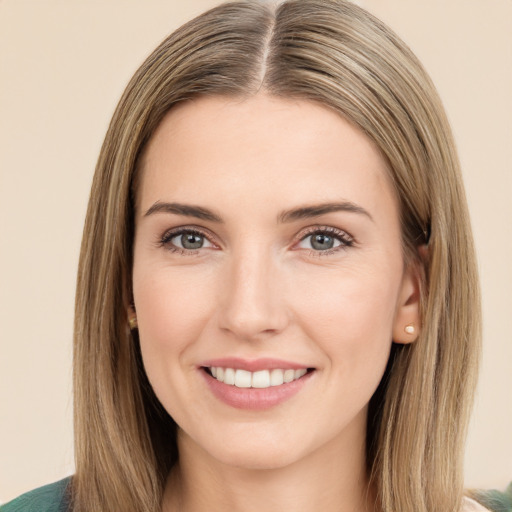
184	240
326	240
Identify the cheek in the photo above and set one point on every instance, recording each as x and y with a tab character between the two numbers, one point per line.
350	315
172	308
363	298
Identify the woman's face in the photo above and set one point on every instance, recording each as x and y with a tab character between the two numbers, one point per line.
267	253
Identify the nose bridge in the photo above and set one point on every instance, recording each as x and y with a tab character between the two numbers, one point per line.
252	302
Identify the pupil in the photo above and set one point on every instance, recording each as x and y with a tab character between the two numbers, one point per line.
322	242
191	241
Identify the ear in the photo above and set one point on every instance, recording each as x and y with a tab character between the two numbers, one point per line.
132	317
406	326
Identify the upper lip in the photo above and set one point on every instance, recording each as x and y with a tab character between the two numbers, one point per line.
253	365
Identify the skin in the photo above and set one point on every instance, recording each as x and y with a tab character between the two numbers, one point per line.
257	288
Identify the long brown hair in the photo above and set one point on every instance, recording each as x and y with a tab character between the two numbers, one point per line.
337	54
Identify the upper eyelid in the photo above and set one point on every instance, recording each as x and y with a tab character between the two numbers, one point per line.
304	233
315	228
169	233
341	233
164	240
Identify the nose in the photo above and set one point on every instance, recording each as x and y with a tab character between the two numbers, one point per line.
252	303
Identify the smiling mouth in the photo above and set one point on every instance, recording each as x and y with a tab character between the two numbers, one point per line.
259	379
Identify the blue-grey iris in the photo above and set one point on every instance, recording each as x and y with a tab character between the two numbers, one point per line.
322	242
191	241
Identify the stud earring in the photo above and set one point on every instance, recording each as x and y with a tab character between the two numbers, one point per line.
132	321
409	329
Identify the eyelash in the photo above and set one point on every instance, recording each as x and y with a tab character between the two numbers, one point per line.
165	240
343	237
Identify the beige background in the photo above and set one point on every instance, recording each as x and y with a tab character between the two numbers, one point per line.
63	66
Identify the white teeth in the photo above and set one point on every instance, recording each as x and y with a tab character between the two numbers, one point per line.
289	375
229	376
242	379
260	379
300	373
276	377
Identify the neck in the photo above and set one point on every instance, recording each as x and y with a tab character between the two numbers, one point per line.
332	478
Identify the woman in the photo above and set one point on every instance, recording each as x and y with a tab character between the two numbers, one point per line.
271	307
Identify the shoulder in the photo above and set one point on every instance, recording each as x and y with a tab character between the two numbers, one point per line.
49	498
494	500
470	505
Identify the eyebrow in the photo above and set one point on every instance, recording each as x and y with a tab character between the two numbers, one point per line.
186	210
306	212
303	212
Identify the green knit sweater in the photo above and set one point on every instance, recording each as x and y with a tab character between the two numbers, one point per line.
50	498
55	498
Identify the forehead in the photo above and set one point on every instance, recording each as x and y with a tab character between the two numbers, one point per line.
217	149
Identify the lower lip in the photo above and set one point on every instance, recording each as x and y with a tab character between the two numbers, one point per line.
255	399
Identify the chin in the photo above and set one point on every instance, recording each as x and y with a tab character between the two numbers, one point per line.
249	449
256	459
